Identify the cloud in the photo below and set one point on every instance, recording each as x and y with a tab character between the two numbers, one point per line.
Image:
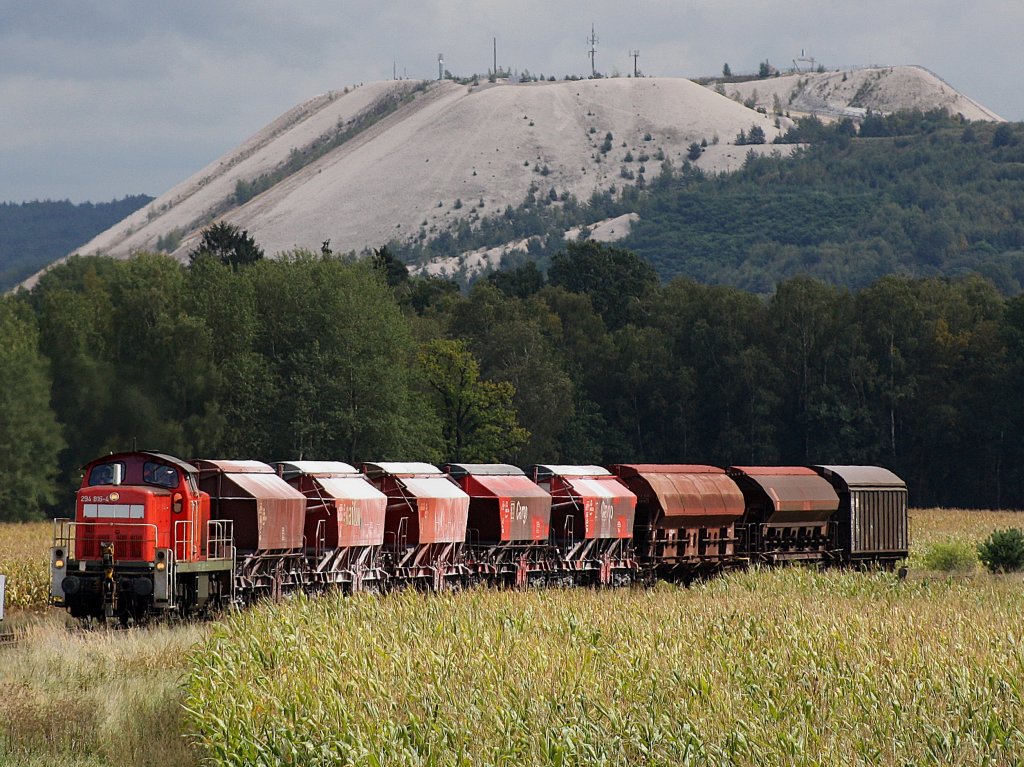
107	97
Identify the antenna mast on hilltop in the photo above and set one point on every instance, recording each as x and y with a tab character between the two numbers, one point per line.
804	60
440	66
635	55
593	41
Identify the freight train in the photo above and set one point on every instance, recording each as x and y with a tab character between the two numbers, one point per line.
153	534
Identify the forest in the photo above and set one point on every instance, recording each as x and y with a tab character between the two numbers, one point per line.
919	194
35	234
320	356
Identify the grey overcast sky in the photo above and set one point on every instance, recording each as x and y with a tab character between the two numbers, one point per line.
104	98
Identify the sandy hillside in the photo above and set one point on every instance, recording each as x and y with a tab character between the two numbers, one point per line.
853	92
484	260
443	152
451	143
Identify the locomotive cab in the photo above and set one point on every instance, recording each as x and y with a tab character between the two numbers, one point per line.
140	536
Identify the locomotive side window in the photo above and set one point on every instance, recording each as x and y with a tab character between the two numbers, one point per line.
106	474
159	474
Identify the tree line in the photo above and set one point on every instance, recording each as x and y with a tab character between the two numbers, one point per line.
320	356
35	234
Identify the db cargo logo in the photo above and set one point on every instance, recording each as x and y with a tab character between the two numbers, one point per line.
520	511
115	496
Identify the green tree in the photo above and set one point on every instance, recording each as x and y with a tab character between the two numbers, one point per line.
30	437
478	420
395	272
615	279
514	340
229	244
341	363
520	282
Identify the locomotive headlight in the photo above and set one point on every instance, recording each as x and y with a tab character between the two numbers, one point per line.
58	563
161	566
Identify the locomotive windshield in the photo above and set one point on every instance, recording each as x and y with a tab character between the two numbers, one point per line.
107	474
159	474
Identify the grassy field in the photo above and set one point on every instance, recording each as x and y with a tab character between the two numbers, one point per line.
25	560
786	667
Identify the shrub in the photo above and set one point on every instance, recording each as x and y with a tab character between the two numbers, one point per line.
1003	550
950	556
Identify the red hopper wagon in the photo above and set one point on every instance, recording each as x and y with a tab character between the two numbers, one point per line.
424	524
789	511
344	523
509	523
268	517
686	517
591	522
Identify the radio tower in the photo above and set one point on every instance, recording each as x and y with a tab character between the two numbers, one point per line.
593	41
635	55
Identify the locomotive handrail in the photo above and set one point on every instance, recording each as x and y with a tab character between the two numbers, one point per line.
220	539
184	540
66	532
63	534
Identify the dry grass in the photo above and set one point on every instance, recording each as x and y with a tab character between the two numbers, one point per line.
947	539
930	525
100	697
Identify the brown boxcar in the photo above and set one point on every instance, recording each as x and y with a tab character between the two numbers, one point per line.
685	517
592	515
425	521
872	519
788	513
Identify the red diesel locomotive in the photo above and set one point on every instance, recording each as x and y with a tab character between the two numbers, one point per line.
142	540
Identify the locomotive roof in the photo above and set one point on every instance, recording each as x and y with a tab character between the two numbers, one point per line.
162	457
